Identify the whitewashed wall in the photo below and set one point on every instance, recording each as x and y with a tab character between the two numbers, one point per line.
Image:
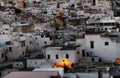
34	63
108	53
62	55
91	75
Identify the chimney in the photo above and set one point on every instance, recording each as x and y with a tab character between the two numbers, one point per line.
100	74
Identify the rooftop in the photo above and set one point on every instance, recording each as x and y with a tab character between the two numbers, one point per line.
29	74
94	32
63	47
69	47
40	56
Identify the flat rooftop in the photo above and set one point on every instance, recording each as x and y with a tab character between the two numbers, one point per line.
68	47
30	74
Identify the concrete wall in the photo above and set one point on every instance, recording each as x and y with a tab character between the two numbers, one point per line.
16	52
18	65
34	63
41	42
108	53
91	75
30	43
62	55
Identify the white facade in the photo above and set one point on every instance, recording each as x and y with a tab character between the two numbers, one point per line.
34	63
6	29
30	43
91	75
106	48
85	75
42	41
89	59
15	51
18	64
56	54
61	55
60	70
4	38
81	42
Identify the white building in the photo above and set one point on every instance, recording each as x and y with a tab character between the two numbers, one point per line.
20	63
34	62
15	51
86	75
106	47
59	70
41	41
29	42
69	52
5	29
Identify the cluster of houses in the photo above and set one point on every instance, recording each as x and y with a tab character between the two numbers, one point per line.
81	36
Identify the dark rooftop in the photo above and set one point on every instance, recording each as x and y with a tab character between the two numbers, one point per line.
93	32
70	47
37	57
20	60
64	47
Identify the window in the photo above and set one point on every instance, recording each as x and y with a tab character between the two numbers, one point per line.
92	44
48	56
21	65
2	55
38	44
57	57
17	64
117	41
100	60
35	62
83	53
78	52
92	59
87	54
6	29
94	1
22	43
67	56
42	36
106	43
3	32
36	38
23	53
105	28
10	48
30	42
98	29
45	42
